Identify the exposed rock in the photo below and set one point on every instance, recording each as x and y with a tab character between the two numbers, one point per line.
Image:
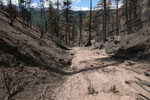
147	73
129	46
99	46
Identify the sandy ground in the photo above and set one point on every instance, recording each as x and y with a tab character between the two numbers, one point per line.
96	76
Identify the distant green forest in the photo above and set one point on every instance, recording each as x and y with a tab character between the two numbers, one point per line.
36	16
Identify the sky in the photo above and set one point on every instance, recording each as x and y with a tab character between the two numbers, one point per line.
84	4
76	4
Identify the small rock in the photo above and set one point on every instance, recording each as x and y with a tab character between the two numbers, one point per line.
68	62
147	73
72	54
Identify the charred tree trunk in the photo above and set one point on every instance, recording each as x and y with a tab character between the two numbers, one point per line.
11	12
117	21
57	20
41	19
66	36
127	17
105	23
90	26
80	37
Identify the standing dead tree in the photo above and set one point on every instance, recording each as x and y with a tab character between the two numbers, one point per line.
28	18
109	3
28	14
57	21
80	26
10	10
117	19
73	30
105	22
103	4
22	11
67	7
1	4
25	13
90	26
52	22
126	10
41	18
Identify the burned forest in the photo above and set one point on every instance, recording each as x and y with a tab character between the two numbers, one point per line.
74	49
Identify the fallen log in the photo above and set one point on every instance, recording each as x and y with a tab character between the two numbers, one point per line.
144	96
62	46
142	84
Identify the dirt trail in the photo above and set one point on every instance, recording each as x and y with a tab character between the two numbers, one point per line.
96	76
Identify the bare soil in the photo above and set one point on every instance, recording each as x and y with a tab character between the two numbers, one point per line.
95	75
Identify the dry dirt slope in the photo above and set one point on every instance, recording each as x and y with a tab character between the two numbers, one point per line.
32	65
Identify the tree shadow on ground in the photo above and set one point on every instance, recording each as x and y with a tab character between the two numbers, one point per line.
61	72
111	59
106	60
89	69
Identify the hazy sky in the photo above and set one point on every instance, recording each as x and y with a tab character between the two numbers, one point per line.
76	4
